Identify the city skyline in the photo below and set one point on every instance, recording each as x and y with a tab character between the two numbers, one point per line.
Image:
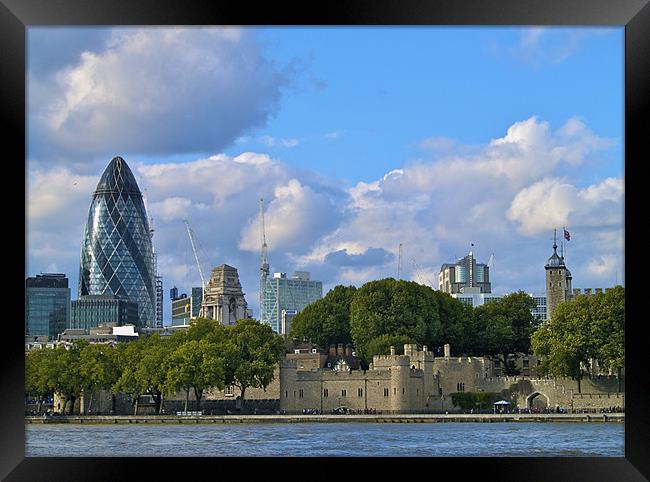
422	153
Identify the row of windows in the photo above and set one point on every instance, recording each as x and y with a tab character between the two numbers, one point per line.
344	392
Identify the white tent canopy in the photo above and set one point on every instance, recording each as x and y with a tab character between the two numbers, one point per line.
502	402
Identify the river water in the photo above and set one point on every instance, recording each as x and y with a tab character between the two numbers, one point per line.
511	439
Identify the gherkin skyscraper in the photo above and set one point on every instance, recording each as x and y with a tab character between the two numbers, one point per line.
116	252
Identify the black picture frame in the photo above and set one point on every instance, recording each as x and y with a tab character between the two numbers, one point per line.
17	15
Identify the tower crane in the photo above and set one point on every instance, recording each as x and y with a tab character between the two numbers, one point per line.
418	273
264	268
190	233
264	262
399	262
490	262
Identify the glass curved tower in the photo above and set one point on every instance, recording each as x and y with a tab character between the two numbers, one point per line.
117	252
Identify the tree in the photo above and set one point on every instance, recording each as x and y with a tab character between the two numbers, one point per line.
37	381
608	318
458	327
565	342
587	328
62	371
151	371
326	321
505	327
381	344
251	351
393	307
97	369
128	358
197	365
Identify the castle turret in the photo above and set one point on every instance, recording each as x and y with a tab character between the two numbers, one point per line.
558	281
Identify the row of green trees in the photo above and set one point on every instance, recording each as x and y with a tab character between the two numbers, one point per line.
207	355
393	312
581	331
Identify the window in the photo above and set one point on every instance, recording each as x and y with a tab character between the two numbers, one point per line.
300	393
402	390
360	392
286	394
228	391
394	391
497	363
385	392
343	393
326	392
526	364
460	387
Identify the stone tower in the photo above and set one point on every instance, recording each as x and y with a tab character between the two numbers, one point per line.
558	281
224	299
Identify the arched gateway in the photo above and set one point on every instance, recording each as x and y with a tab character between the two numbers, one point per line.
537	400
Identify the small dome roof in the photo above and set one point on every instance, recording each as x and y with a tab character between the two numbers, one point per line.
555	261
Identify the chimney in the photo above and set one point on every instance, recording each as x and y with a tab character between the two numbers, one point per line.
576	292
339	350
348	350
392	350
599	290
332	350
447	350
588	291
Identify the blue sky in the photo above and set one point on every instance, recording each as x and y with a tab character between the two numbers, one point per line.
358	138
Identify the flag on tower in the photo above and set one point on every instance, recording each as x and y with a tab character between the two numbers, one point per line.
567	236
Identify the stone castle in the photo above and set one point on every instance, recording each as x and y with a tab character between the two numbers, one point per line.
415	382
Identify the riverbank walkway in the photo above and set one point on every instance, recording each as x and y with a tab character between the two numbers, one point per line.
385	418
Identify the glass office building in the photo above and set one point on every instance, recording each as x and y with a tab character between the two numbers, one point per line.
116	252
47	305
94	310
286	294
474	298
185	309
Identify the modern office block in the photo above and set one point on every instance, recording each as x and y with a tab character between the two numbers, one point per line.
281	293
47	305
93	310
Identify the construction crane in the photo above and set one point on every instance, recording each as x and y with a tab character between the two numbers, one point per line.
399	262
265	283
190	233
264	262
490	262
418	272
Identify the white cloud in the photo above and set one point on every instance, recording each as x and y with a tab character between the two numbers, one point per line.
294	218
504	196
156	91
551	202
435	208
334	134
540	45
270	141
603	266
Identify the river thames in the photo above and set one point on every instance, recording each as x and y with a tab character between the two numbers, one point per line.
508	439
